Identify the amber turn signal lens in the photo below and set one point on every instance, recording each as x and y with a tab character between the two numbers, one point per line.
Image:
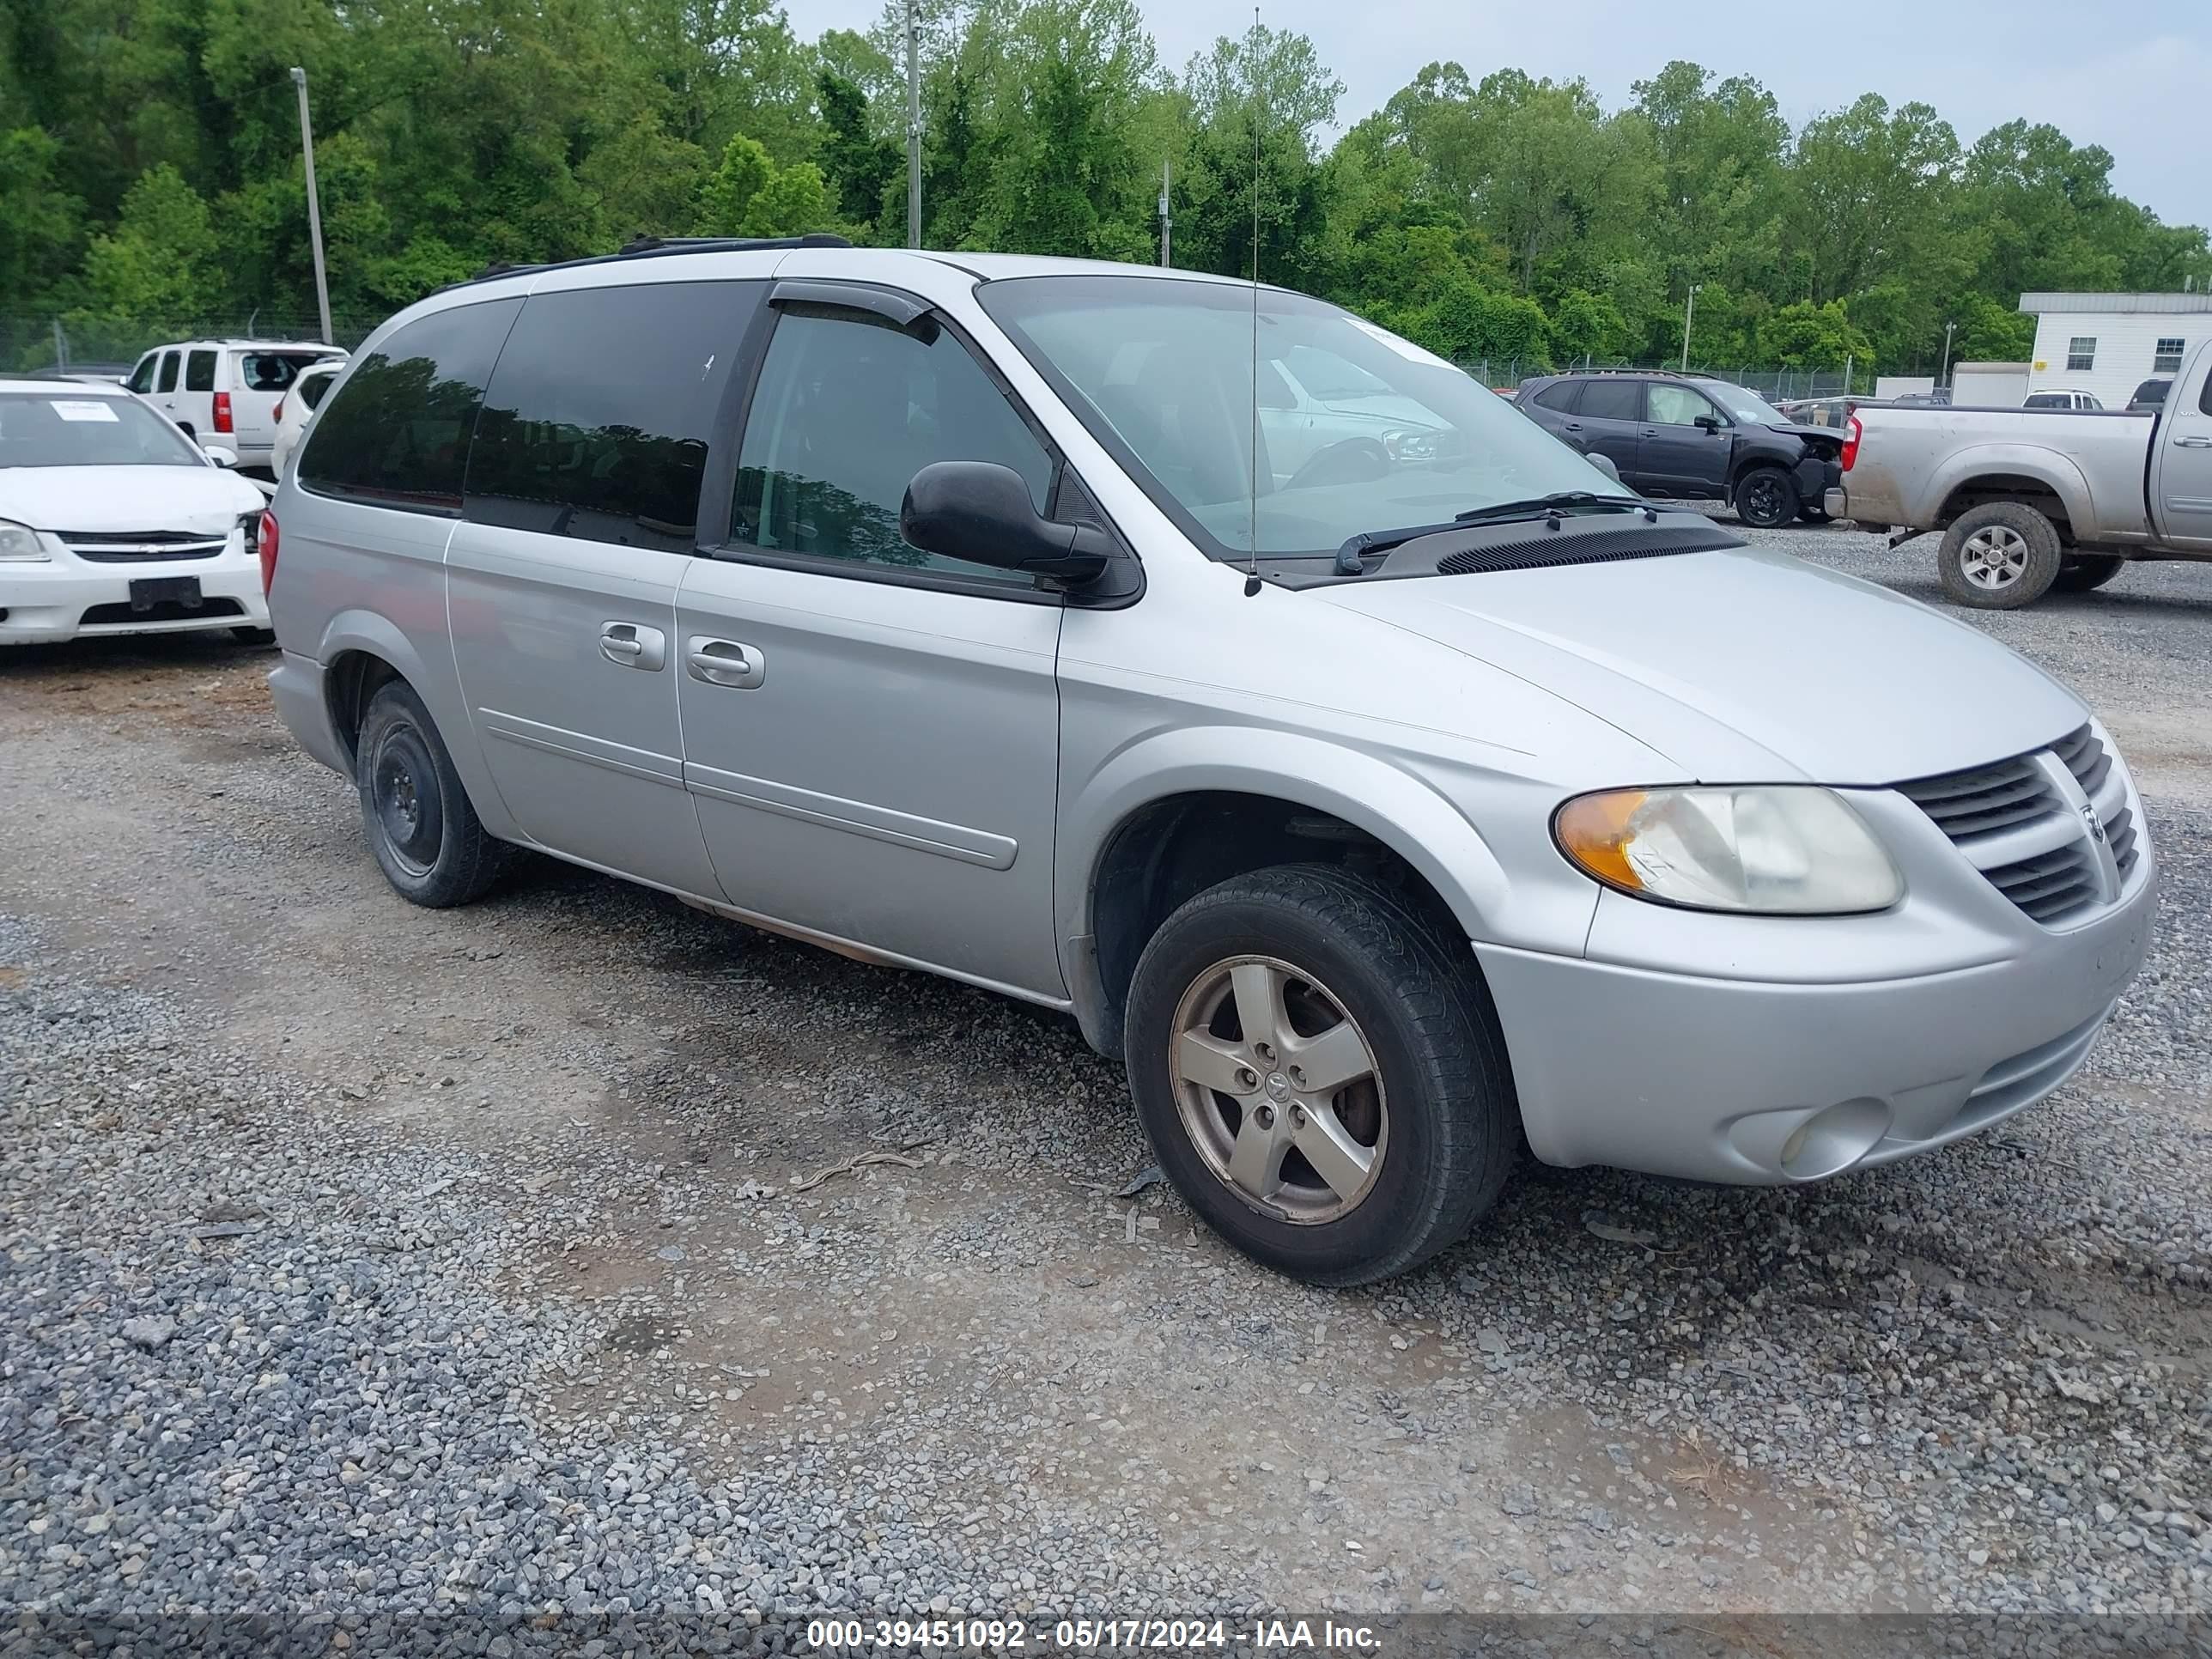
1593	831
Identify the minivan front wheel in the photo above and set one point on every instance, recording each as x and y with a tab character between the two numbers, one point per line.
1320	1074
425	835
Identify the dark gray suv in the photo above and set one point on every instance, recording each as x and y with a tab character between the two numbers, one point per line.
1693	436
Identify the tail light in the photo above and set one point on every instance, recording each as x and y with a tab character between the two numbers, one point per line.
277	415
1851	443
265	545
222	412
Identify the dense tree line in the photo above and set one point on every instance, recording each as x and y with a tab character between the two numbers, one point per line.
151	176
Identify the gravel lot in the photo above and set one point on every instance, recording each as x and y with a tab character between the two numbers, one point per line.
360	1258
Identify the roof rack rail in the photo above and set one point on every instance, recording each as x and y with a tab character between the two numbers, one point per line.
645	248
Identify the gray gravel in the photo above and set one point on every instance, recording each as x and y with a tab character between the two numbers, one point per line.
362	1259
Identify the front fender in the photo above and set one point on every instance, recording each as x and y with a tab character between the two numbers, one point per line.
2047	466
1404	811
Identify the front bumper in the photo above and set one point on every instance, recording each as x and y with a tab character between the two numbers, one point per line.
42	604
1713	1078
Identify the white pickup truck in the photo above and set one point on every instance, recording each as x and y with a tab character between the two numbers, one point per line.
2031	499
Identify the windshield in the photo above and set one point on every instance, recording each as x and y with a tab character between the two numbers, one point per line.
54	429
1749	407
1161	369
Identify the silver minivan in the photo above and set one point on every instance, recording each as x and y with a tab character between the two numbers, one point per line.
1383	804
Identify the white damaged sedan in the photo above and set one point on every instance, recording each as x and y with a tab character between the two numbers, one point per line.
113	521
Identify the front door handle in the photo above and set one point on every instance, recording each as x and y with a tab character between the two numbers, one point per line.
2192	442
724	662
1570	426
633	645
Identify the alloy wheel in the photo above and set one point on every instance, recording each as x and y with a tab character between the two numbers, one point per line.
1279	1090
1995	557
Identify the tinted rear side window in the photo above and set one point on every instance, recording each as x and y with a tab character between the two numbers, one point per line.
168	371
199	372
1611	400
1561	396
597	422
398	436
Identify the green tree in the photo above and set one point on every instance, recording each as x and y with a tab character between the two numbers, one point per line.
159	265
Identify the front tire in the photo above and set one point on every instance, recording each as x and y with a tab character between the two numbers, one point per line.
2080	573
425	835
1766	498
1998	556
1321	1073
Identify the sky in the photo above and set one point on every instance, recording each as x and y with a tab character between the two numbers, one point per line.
2134	79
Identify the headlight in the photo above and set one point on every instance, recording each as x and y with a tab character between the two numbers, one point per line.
1402	445
20	544
1777	849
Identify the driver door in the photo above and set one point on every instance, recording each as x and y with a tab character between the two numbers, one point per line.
1676	454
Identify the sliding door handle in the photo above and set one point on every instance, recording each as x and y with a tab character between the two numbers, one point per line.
724	662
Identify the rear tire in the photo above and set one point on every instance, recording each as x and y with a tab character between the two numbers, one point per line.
1998	556
254	636
1383	1057
2078	573
1814	515
1766	498
425	835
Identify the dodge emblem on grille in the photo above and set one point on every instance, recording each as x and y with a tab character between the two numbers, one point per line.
2096	824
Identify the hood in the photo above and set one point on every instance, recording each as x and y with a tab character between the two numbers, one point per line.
1401	412
1818	437
1743	666
117	499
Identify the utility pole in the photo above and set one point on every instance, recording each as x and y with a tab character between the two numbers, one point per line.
1944	379
1689	311
913	122
1167	223
314	209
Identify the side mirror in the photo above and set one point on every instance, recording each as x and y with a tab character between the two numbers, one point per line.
220	455
980	511
1603	463
1707	424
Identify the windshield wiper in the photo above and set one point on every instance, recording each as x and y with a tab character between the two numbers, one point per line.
1551	506
1349	560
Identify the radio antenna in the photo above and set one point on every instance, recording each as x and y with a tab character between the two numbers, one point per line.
1252	568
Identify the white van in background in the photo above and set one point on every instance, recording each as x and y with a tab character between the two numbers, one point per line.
227	391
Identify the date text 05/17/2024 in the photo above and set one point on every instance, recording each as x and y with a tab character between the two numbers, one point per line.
1089	1635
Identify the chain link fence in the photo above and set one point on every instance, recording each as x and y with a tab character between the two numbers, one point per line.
98	346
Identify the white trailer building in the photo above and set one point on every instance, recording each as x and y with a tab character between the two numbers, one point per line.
2108	344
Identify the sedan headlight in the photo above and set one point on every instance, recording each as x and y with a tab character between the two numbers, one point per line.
20	544
1781	850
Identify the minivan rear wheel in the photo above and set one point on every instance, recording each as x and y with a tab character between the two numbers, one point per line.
1320	1074
426	836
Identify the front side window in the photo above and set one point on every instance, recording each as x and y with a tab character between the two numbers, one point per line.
1160	369
846	411
199	371
39	429
398	435
596	419
168	372
2167	360
1676	405
2082	353
142	377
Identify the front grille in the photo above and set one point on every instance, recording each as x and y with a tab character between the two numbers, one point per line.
2018	824
130	547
